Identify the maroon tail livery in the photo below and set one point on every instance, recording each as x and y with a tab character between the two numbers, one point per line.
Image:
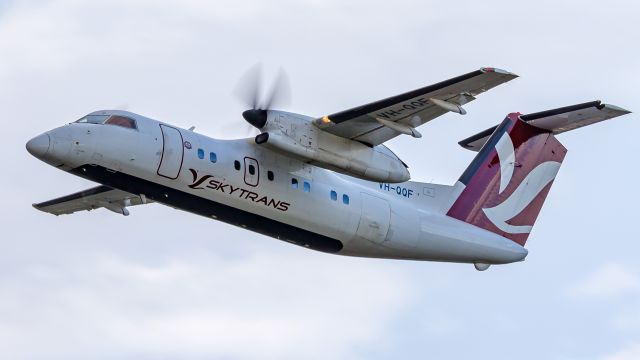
508	181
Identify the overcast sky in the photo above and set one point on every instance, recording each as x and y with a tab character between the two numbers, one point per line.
164	284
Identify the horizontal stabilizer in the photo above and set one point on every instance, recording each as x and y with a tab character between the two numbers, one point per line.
90	199
555	121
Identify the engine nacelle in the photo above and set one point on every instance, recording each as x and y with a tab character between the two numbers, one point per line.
295	135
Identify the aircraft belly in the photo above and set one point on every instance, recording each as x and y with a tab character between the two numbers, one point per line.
213	209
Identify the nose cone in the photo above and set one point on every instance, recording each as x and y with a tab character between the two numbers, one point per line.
39	146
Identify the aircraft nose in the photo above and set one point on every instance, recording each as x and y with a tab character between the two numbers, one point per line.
39	145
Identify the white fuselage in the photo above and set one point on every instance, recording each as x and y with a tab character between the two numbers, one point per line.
275	194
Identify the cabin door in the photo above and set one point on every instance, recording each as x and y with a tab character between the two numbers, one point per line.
374	219
251	171
172	152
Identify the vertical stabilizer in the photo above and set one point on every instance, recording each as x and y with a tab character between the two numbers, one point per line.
508	181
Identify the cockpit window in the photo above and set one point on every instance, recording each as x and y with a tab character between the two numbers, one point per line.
121	121
93	119
117	120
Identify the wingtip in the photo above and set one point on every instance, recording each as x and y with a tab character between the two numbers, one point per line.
498	70
623	111
38	207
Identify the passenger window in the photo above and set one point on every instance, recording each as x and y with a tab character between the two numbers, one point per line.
334	195
345	199
121	121
306	187
294	183
252	169
213	157
200	154
270	175
236	164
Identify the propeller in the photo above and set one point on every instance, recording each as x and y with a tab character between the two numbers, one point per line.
250	92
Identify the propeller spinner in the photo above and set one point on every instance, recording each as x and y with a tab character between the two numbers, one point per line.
250	91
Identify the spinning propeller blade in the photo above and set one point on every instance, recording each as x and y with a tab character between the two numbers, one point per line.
249	91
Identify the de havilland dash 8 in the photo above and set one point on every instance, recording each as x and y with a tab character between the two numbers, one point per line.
329	183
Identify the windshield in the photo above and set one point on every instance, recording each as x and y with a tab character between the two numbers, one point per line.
121	121
117	120
93	119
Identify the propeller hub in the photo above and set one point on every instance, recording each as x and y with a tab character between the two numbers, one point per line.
256	117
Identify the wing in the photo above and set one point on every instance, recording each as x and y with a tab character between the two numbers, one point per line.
90	199
556	120
385	119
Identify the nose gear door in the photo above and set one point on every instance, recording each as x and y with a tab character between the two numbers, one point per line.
172	152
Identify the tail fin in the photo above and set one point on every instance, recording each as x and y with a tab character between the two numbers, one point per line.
508	181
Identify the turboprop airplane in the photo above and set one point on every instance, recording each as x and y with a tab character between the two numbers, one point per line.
328	183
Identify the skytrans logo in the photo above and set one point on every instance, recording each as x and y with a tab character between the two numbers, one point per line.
527	190
208	182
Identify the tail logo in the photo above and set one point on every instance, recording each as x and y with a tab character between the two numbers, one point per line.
526	191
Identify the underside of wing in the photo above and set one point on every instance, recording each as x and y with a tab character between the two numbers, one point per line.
90	199
379	121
